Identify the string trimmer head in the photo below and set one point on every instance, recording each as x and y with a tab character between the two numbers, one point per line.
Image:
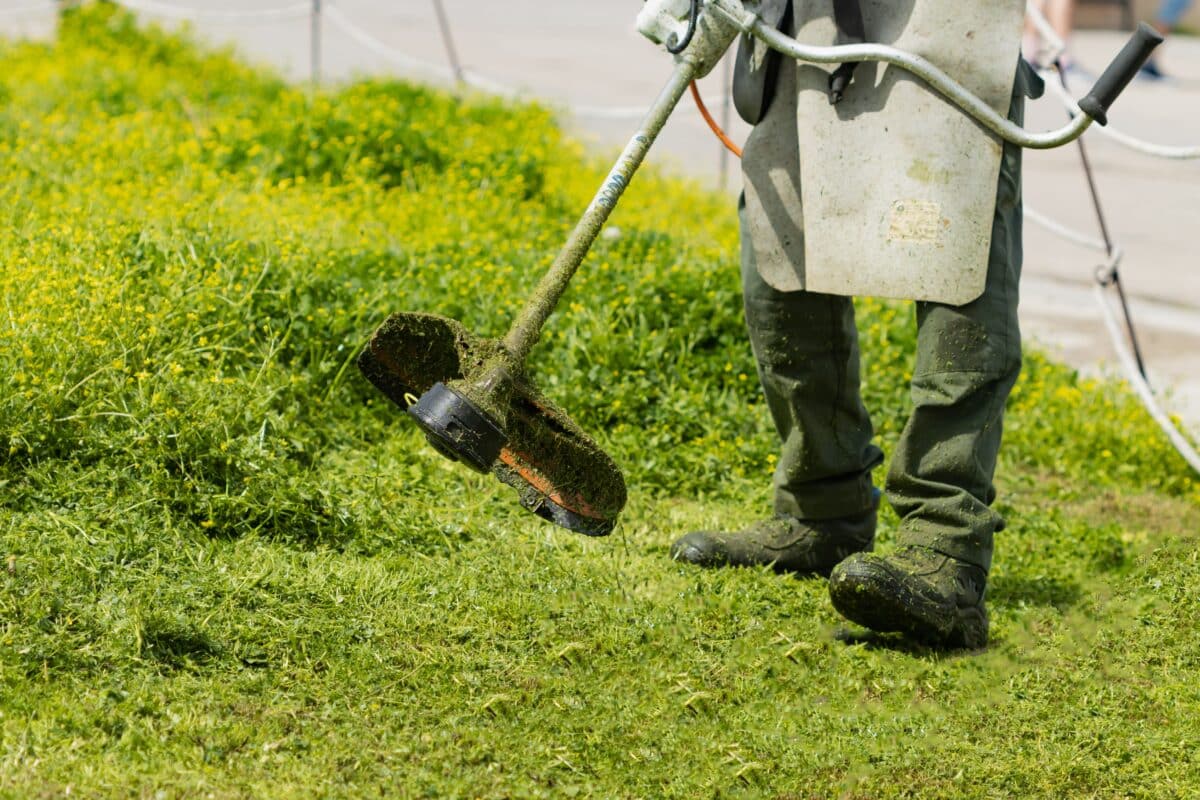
472	396
476	405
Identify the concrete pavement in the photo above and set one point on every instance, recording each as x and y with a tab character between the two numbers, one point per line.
586	58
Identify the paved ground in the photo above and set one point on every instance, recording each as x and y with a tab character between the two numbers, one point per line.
586	58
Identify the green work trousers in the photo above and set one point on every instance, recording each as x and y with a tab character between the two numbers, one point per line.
967	360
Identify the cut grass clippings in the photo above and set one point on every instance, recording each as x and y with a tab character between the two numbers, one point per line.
229	568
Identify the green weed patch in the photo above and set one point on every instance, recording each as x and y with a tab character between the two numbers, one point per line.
229	568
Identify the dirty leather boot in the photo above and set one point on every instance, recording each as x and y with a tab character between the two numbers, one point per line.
788	544
917	591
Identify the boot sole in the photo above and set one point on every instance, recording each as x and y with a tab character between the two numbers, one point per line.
875	597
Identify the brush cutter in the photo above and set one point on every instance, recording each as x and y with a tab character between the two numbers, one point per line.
472	396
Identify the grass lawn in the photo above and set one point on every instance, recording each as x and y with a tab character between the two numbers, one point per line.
229	568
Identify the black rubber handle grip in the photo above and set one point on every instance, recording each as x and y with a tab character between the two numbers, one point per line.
1120	72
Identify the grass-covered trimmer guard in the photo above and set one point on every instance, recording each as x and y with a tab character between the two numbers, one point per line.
472	396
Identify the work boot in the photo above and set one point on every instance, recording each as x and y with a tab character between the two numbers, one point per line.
917	591
809	546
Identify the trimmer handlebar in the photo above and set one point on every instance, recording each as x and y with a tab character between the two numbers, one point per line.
1094	106
1120	72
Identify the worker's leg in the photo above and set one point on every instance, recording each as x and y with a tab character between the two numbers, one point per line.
933	585
806	345
968	358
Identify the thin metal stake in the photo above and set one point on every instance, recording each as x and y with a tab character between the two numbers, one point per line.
726	117
1113	277
451	53
314	55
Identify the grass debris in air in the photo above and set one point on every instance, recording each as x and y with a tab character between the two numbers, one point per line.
229	568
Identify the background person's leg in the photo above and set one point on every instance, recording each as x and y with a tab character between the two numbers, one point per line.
1170	12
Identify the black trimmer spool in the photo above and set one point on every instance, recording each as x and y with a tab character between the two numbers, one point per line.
457	428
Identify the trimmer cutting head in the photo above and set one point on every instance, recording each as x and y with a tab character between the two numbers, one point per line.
475	405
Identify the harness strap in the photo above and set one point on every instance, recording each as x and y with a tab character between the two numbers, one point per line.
757	66
847	15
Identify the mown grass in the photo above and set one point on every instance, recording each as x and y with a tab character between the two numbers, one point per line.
228	568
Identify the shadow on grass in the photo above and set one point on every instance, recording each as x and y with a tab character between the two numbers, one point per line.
175	643
898	643
1004	592
1014	591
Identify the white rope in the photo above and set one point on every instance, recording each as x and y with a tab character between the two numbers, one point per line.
1049	36
1124	355
1181	153
1057	47
294	11
635	112
1144	392
376	46
379	48
614	112
1070	234
470	78
44	8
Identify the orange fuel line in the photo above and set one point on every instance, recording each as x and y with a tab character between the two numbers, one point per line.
712	123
